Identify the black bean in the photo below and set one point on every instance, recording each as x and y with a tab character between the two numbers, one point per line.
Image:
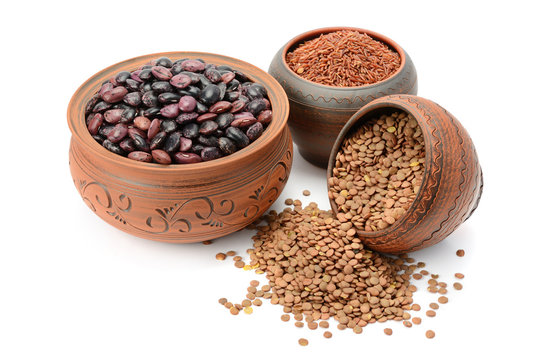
213	75
210	95
110	146
254	131
237	136
172	142
162	86
91	103
122	76
201	108
145	74
140	143
222	90
208	127
158	140
168	98
150	99
231	96
197	148
224	68
233	85
169	125
191	91
144	88
256	91
224	120
208	140
164	61
227	146
176	68
186	118
128	115
147	66
150	112
132	85
133	98
100	106
105	130
256	106
210	153
203	81
127	145
190	130
219	133
98	138
135	131
237	106
135	77
240	76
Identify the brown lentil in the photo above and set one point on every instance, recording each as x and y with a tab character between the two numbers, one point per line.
328	334
230	253
257	302
303	342
434	306
388	331
220	256
323	324
460	253
254	283
384	166
239	264
443	300
285	317
223	301
457	286
312	325
431	313
234	310
207	242
459	276
298	324
407	323
430	334
416	320
237	258
416	307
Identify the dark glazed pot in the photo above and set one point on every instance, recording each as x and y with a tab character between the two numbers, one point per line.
187	202
452	184
318	112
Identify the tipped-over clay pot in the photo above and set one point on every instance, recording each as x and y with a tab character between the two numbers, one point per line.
318	112
451	186
187	202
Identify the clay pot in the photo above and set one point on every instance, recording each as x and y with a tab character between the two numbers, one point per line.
452	184
318	112
188	202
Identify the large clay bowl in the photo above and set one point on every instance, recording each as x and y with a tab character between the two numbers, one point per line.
181	203
318	112
452	184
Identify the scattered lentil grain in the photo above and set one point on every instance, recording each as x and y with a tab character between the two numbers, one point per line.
459	276
457	286
460	253
303	342
220	256
443	300
306	193
388	331
431	313
328	334
430	334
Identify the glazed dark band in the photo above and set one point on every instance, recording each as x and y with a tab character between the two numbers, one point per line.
184	111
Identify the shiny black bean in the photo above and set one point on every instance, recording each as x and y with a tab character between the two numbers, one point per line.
256	106
208	127
168	98
241	76
227	146
147	66
132	85
147	86
224	120
201	108
150	99
233	85
208	140
127	145
135	131
203	81
162	86
91	103
213	75
197	148
231	96
254	131
128	115
210	95
99	139
140	143
158	140
145	74
186	118
169	125
122	76
224	68
150	112
237	136
191	130
255	91
172	142
164	61
191	91
110	146
222	90
133	98
101	106
121	105
176	68
219	133
210	153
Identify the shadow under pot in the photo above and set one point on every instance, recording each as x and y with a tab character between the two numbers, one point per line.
451	184
318	112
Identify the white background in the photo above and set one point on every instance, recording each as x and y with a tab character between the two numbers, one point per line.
73	287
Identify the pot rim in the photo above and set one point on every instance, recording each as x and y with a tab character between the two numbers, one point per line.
313	33
77	119
385	102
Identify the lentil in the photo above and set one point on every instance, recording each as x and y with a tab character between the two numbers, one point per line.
460	253
457	286
328	334
303	342
220	256
430	334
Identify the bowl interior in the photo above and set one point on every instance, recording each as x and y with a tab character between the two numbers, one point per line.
276	95
309	35
356	121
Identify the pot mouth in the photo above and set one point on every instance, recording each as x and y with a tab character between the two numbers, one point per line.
378	107
309	35
279	105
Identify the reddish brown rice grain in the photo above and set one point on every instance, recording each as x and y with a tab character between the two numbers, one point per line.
344	58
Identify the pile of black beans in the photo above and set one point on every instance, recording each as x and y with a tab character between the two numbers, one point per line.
183	111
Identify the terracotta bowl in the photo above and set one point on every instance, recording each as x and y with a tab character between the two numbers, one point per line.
318	112
188	202
452	184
